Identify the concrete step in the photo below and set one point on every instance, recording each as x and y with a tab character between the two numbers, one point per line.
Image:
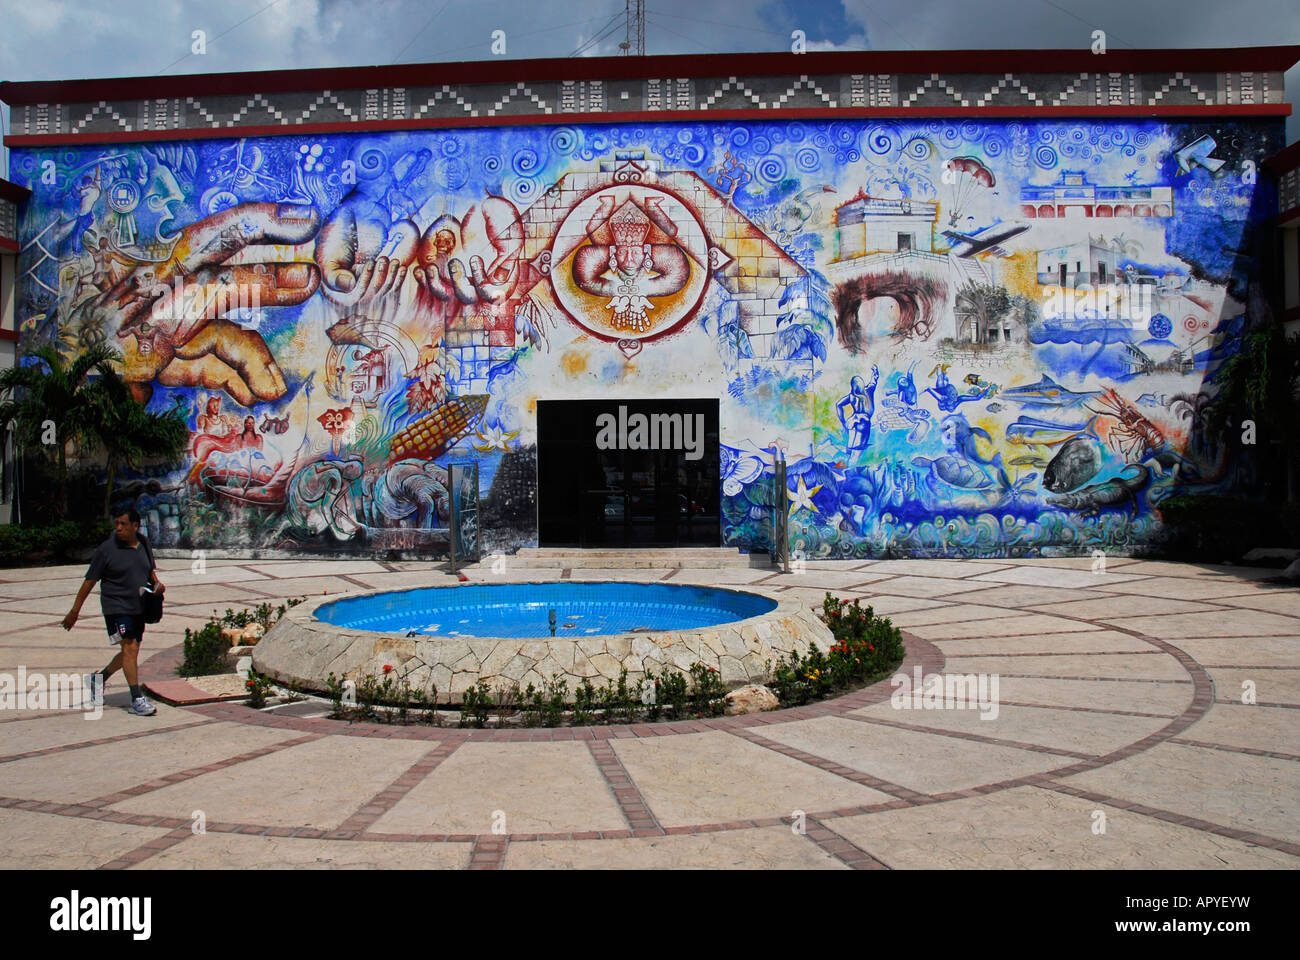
685	557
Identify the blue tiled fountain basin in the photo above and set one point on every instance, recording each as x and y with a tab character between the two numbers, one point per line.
522	609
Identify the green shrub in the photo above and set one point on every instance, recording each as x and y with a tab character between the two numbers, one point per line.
258	686
18	542
205	651
866	649
475	703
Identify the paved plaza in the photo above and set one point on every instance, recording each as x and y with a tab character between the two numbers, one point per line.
1121	739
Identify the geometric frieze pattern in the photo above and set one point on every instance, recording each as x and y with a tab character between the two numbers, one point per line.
1029	92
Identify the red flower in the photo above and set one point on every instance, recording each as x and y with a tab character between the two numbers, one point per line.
388	668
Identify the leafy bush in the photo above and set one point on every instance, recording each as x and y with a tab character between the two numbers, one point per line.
258	686
205	651
866	648
205	648
475	704
18	542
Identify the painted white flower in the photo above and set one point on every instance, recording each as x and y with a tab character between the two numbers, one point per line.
495	439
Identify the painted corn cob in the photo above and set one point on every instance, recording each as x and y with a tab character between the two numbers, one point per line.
433	433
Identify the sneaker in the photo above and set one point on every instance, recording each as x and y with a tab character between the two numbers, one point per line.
95	684
143	708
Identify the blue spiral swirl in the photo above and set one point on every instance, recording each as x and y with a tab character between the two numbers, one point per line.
771	169
522	189
525	162
565	140
808	160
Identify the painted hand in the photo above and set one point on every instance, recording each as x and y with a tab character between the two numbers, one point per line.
186	341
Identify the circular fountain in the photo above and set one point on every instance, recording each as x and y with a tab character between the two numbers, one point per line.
507	633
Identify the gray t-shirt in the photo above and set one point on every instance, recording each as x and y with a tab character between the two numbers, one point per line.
121	572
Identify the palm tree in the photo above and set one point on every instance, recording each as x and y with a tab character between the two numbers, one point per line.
128	433
49	403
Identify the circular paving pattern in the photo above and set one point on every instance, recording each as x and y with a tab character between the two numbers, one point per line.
1117	737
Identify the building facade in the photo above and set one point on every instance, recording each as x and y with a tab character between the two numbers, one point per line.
974	301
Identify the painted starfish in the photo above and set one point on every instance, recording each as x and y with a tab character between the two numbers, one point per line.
802	497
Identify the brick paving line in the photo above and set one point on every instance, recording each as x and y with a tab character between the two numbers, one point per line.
34	716
1230	748
1062	676
1053	653
1169	816
488	852
1253	666
974	737
631	803
1262	703
381	803
1110	710
839	847
897	791
148	850
82	744
47	646
160	783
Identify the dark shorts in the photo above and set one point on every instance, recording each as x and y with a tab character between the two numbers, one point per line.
124	626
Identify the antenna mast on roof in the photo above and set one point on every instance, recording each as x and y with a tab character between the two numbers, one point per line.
634	40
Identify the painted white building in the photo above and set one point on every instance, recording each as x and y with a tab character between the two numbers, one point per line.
1073	196
866	225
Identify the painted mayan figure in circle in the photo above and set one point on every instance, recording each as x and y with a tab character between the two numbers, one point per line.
631	271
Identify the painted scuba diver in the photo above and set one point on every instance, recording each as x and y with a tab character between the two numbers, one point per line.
856	408
946	394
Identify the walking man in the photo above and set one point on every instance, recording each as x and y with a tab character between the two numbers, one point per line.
123	565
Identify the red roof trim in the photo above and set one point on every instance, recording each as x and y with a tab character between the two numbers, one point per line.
651	116
10	245
1284	160
1081	59
13	192
9	335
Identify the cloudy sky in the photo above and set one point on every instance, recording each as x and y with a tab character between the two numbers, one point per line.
67	39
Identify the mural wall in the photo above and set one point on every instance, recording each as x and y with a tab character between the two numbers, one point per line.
965	338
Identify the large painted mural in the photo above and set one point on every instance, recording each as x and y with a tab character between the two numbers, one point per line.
965	338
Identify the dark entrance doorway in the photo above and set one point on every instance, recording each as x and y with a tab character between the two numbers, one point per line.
627	473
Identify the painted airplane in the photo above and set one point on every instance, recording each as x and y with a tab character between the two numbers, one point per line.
1197	153
984	241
